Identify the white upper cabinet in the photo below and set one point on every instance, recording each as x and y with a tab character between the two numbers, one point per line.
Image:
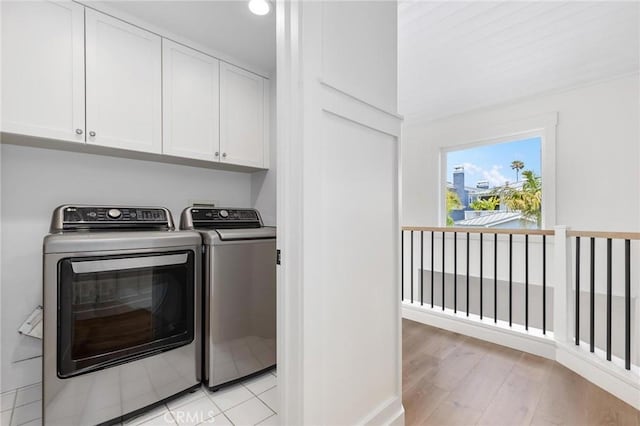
243	112
43	69
191	103
124	88
75	74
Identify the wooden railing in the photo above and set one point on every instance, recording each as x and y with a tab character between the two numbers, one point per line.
472	230
488	252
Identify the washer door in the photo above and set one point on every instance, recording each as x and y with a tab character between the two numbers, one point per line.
115	308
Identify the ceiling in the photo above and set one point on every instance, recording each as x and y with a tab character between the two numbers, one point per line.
223	26
458	56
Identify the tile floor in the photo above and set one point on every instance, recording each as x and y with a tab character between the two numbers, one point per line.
253	402
21	406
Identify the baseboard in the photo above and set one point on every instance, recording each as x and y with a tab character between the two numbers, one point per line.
619	382
470	326
389	413
398	419
623	384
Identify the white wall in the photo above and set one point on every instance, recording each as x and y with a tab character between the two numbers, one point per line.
597	154
597	175
35	181
338	133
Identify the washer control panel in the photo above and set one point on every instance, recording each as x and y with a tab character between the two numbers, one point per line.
110	217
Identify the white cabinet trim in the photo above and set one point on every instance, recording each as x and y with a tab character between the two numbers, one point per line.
226	145
170	145
266	121
78	84
93	125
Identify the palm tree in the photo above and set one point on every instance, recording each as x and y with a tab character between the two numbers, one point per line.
528	199
517	165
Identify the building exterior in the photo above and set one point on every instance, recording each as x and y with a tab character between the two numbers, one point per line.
498	218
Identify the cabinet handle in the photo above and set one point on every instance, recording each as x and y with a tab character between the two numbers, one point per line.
224	155
92	134
78	131
217	154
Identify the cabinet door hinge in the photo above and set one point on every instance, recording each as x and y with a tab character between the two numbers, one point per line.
278	257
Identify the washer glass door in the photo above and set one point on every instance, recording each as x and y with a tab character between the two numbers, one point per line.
115	308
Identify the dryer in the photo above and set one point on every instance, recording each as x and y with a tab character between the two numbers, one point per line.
239	258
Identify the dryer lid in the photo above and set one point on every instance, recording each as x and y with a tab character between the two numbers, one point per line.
263	233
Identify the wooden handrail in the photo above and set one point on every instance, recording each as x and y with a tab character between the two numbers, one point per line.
476	230
605	234
570	233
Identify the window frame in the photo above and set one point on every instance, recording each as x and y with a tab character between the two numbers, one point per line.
543	126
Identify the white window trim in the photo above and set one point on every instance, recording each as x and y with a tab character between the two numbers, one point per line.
543	126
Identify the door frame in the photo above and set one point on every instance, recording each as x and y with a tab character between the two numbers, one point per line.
289	205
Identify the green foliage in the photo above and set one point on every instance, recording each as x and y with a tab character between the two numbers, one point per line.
485	203
528	199
453	203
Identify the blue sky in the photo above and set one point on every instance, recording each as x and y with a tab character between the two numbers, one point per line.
493	162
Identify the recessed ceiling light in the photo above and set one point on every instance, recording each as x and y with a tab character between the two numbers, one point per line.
259	7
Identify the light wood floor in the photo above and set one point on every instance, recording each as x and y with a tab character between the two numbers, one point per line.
450	379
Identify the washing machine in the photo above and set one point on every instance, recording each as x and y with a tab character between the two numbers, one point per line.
122	313
239	278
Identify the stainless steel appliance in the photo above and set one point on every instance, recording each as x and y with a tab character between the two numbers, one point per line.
239	292
122	313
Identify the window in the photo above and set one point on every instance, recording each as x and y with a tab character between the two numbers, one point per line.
496	184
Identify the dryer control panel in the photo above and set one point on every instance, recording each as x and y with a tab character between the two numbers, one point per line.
219	218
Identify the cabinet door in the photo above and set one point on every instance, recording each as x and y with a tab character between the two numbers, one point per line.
191	103
242	117
43	69
124	88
